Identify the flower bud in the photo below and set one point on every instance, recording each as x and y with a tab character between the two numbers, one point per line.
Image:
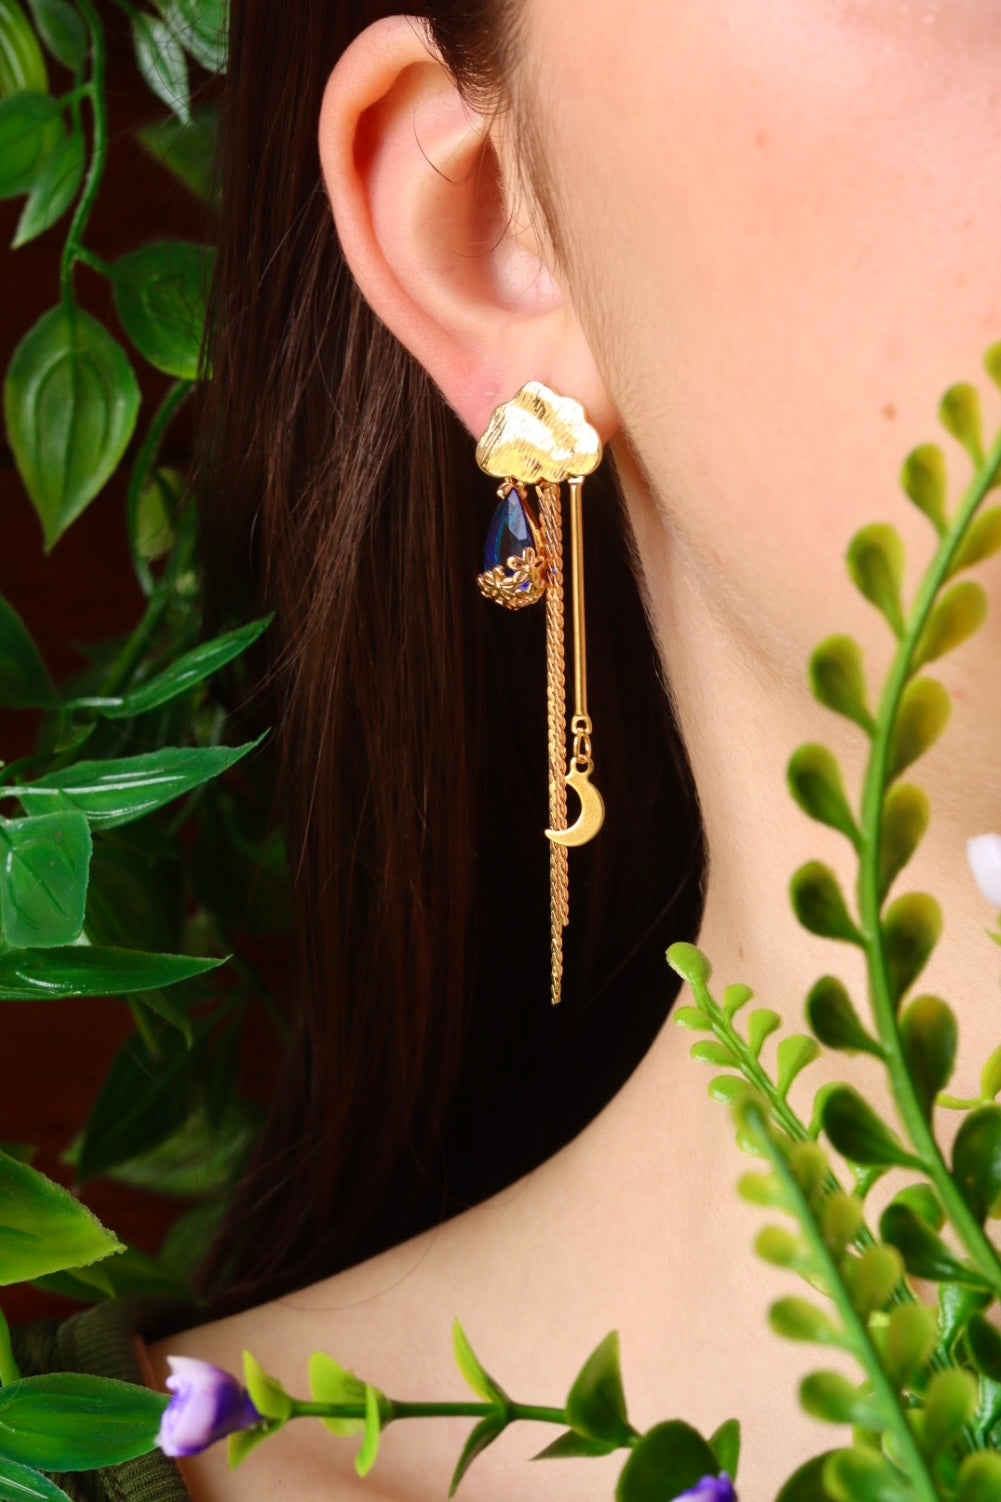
710	1489
984	855
207	1404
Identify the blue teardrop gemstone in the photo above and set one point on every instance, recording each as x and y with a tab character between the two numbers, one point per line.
509	533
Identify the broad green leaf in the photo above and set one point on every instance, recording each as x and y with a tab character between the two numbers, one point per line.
976	1160
198	1159
484	1434
911	929
924	480
55	189
31	128
911	1335
690	963
596	1404
724	1442
807	1484
980	1477
981	540
70	401
24	678
90	970
858	1134
876	566
128	1274
905	818
44	864
950	1403
571	1446
922	716
161	61
141	1102
22	65
798	1319
864	1475
160	294
984	1344
829	1396
760	1025
815	781
466	1360
819	905
840	1220
669	1459
59	25
332	1383
22	1483
369	1448
929	1034
873	1277
115	792
838	680
202	26
266	1392
187	151
43	1227
66	1421
793	1055
832	1016
960	414
958	613
925	1254
186	673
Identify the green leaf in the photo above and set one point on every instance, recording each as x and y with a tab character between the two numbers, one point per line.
596	1404
130	1273
160	294
31	129
240	1444
762	1189
873	1277
22	65
571	1446
876	566
44	863
726	1089
66	1421
924	480
24	678
981	540
724	1442
202	27
922	716
479	1380
116	791
807	1484
55	189
189	670
711	1052
266	1392
70	401
61	29
161	61
922	1199
976	1160
911	1335
792	1057
859	1135
832	1016
779	1247
187	151
760	1025
141	1102
43	1227
840	1220
690	1017
829	1396
668	1460
21	1483
332	1383
484	1434
735	997
929	1034
157	505
950	1403
960	414
911	929
798	1319
200	1158
958	613
369	1448
863	1475
990	1075
690	963
925	1254
984	1344
905	819
838	681
819	905
815	781
91	970
980	1477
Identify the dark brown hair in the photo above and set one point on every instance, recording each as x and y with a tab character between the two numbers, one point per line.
426	1066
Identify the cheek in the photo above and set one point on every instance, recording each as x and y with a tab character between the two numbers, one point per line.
785	219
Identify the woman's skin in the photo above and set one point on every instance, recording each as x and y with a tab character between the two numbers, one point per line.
779	224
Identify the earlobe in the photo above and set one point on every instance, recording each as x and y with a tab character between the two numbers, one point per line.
432	232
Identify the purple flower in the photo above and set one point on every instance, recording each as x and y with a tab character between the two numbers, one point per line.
207	1404
710	1489
984	854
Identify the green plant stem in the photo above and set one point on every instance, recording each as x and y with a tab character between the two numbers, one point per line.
854	1325
95	262
94	90
400	1410
174	398
919	1128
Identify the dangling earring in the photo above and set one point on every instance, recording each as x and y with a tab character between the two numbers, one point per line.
541	439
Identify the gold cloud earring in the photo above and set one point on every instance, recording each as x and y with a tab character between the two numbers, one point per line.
542	440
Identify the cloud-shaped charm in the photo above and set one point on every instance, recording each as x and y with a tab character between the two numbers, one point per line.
538	436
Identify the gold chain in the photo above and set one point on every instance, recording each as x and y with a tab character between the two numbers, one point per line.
550	513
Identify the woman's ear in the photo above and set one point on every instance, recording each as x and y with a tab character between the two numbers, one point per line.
432	229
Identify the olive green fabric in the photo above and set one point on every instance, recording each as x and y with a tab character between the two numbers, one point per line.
101	1341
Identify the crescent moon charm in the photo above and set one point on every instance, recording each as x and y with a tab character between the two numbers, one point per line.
591	816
